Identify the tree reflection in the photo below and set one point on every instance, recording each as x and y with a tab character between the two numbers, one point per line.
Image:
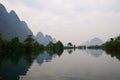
113	53
15	63
18	61
15	55
70	51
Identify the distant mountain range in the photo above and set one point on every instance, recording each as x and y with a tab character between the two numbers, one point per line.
11	26
93	42
45	40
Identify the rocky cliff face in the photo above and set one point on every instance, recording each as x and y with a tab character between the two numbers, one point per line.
11	26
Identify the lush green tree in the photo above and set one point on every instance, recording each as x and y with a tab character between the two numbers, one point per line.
15	43
55	47
113	44
118	38
17	48
28	43
0	37
59	47
112	39
29	40
51	46
37	46
1	41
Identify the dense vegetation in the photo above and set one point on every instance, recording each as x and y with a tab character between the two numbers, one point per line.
94	47
70	46
15	45
112	45
55	47
29	45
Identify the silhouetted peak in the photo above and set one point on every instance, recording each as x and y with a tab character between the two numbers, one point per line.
47	36
40	34
13	12
3	10
24	23
14	15
1	6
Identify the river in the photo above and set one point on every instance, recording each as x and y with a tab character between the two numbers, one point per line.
69	65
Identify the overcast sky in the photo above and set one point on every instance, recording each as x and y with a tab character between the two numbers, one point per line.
76	21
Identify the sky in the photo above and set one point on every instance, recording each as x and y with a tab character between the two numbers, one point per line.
75	21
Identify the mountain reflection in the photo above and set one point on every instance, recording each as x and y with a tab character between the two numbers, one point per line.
94	53
11	71
46	56
15	63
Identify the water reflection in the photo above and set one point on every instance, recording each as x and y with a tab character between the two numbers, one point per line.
47	57
76	66
94	53
15	63
60	66
70	51
11	71
113	54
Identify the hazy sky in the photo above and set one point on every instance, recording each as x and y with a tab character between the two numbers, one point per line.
76	21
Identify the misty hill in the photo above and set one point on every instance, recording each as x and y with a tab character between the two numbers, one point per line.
93	42
45	40
11	26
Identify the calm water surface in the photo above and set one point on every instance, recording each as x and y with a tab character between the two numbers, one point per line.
70	65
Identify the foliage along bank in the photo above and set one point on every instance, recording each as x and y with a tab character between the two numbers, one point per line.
112	45
29	45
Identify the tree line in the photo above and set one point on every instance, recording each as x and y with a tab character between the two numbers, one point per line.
112	44
28	45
